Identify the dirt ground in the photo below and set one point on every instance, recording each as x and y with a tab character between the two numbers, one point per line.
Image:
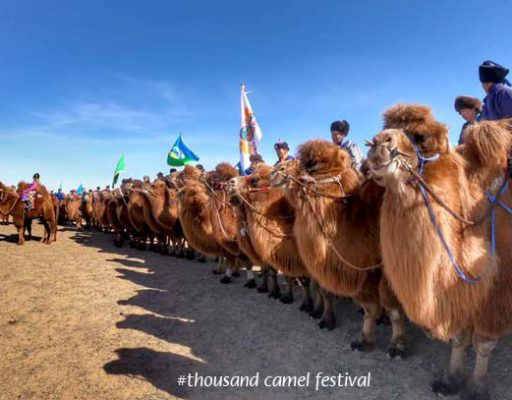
81	319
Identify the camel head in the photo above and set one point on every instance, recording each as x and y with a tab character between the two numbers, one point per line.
255	185
408	128
282	174
323	167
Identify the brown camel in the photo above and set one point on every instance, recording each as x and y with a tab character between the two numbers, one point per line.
162	202
100	199
72	209
223	217
267	219
439	264
10	204
141	231
195	215
337	232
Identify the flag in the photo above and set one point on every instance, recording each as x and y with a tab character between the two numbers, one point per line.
120	167
180	154
60	186
250	132
80	189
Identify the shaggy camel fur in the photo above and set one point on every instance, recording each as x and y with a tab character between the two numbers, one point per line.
267	218
223	217
72	207
432	291
337	232
10	204
100	200
196	217
141	230
162	204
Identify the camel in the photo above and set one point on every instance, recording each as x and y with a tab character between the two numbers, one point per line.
10	204
195	215
117	213
267	220
99	202
141	230
337	232
86	209
72	208
162	211
437	255
223	217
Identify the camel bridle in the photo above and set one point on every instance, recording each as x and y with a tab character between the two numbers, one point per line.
425	188
257	211
307	187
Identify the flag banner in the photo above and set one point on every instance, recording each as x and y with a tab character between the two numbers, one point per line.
80	189
180	154
120	167
60	186
250	132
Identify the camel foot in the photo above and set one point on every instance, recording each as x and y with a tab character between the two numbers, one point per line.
384	320
286	299
190	255
274	294
226	279
448	385
306	306
328	323
361	345
316	314
236	274
201	259
398	350
216	272
262	289
250	284
473	391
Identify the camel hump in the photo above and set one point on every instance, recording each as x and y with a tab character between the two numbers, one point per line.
489	142
403	115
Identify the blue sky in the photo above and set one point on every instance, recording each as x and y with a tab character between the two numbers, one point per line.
83	82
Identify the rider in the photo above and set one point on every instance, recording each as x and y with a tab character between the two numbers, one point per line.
339	133
282	151
27	195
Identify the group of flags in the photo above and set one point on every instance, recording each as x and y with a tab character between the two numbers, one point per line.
180	155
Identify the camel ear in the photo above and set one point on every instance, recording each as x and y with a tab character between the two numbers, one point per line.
369	143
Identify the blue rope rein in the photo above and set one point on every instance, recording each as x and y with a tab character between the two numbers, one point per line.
496	200
423	160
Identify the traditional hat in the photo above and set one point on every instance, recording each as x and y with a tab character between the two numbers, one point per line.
490	71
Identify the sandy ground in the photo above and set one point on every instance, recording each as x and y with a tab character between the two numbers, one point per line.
81	319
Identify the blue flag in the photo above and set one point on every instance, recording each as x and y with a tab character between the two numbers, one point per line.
180	154
80	189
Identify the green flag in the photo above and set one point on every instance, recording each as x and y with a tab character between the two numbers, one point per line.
180	154
119	168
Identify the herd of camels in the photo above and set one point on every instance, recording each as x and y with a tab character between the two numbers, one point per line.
423	232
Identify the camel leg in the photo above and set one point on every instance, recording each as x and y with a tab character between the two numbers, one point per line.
398	344
477	387
307	303
318	307
21	235
287	298
276	290
328	320
452	382
220	262
263	287
366	341
251	281
228	273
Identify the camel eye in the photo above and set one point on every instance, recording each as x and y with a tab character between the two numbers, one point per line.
388	140
310	164
254	181
419	138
